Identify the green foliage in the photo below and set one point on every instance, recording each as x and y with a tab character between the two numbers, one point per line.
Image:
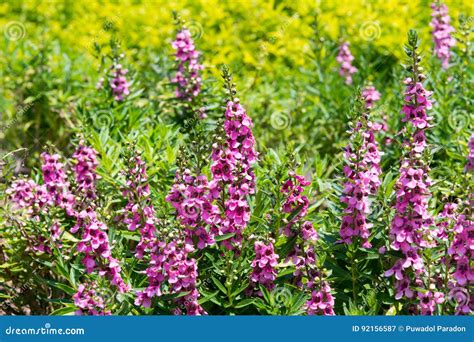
301	109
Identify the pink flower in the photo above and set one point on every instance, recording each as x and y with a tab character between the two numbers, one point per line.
410	228
321	302
119	84
171	265
192	198
370	95
362	171
85	170
428	301
89	302
308	232
139	211
232	173
416	103
187	76
95	245
345	58
94	240
56	183
296	204
263	265
442	30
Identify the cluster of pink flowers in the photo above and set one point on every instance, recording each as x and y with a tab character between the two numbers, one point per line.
94	240
345	58
362	172
458	229
263	265
26	194
119	83
191	198
411	223
370	95
56	191
470	158
56	184
89	302
303	256
428	301
417	102
444	221
442	30
462	252
37	199
293	189
85	171
139	211
232	166
170	263
322	301
95	245
187	76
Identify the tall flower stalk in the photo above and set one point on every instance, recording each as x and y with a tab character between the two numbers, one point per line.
188	69
58	192
139	211
442	30
233	179
94	240
362	172
170	270
308	276
411	223
345	58
455	227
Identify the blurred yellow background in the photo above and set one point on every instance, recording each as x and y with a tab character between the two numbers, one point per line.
229	31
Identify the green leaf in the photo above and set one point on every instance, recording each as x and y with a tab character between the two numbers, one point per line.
208	297
219	284
244	303
63	311
224	237
240	289
69	290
